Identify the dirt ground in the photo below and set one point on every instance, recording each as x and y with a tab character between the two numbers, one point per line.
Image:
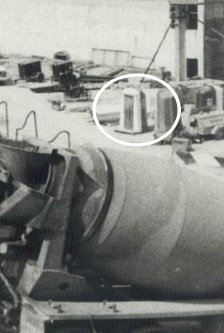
76	118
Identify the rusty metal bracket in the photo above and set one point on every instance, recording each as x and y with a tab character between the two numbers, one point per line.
6	116
25	122
62	132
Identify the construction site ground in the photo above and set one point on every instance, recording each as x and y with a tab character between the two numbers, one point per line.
77	119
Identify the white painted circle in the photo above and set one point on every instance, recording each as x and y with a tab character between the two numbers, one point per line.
142	144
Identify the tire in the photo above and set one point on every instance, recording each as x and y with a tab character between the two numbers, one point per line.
220	134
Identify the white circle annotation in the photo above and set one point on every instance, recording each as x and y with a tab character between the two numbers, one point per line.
142	144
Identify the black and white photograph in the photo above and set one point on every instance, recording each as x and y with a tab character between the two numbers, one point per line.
112	166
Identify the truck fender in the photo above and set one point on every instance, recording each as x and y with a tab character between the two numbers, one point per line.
216	129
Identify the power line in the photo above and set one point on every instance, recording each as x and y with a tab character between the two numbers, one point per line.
157	50
220	34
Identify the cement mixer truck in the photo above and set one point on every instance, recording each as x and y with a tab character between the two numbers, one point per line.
102	240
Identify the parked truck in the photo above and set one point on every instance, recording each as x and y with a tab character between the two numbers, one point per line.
31	71
202	110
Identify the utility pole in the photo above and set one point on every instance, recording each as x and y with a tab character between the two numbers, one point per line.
180	45
179	23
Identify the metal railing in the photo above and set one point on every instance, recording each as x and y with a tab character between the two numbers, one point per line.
62	132
6	116
25	122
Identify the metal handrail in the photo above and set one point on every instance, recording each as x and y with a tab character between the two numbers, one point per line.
6	117
62	132
25	122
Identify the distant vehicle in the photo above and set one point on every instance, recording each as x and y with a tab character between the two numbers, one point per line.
60	67
207	116
204	124
202	112
3	72
31	71
4	77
